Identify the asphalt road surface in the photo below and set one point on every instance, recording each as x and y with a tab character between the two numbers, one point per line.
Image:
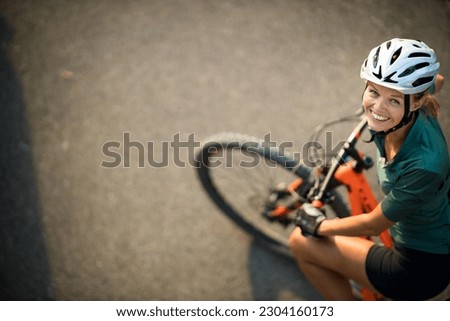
81	74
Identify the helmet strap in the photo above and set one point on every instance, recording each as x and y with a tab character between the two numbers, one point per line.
407	117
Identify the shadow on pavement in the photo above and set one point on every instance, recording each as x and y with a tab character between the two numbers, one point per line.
272	274
24	269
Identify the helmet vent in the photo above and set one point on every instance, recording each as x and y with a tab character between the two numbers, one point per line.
419	54
396	55
388	45
410	70
422	81
379	75
388	78
422	65
375	58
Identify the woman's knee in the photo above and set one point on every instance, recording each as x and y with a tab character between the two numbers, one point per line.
306	248
298	242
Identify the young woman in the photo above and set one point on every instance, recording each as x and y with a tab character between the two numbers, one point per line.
413	171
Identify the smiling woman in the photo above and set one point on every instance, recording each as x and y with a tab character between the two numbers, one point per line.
413	171
400	68
383	106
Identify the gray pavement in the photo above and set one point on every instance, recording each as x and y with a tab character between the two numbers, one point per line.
75	75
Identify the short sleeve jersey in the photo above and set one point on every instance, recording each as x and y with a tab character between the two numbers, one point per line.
416	186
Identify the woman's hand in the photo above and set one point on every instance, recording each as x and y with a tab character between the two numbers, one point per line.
308	219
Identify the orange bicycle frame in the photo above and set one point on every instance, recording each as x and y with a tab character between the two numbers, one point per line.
350	174
360	194
362	201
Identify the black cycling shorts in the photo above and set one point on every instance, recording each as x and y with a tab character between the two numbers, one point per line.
406	274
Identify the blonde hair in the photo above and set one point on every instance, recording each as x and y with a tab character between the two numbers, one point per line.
430	103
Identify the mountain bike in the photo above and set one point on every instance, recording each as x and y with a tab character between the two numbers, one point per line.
262	187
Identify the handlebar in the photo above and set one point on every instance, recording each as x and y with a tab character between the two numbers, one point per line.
348	149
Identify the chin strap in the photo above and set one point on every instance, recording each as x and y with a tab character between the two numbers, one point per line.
407	117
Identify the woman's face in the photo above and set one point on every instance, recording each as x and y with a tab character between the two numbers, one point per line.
383	107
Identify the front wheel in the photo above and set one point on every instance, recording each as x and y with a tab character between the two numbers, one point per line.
247	181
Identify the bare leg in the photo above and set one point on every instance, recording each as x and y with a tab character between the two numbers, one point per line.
330	262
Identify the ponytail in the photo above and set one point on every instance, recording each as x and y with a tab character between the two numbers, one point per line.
430	104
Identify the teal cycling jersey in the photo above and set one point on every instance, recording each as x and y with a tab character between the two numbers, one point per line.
416	184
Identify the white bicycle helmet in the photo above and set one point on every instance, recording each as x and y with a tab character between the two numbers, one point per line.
409	66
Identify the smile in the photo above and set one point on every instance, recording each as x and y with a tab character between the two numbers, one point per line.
378	117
